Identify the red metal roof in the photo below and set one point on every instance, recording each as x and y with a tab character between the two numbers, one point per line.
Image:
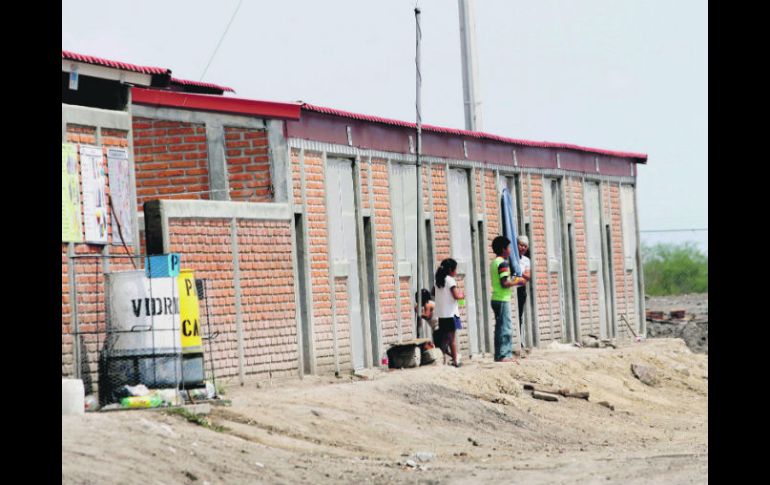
186	82
114	64
642	157
207	102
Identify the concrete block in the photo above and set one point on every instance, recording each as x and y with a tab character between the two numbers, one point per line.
72	396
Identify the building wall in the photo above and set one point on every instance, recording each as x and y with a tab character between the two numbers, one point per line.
543	293
267	293
342	313
492	220
440	214
88	265
624	290
587	310
296	177
266	290
384	247
548	296
248	166
171	160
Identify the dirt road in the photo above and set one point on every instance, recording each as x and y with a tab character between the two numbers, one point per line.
474	424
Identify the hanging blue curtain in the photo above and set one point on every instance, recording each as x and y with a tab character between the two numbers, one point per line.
509	229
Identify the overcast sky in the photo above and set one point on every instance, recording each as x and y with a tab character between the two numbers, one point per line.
627	75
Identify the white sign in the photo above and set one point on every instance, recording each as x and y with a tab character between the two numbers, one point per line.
71	218
144	313
120	196
92	172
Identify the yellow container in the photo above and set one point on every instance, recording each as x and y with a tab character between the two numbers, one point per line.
189	313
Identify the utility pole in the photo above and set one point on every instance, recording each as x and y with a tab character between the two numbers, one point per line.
418	149
471	101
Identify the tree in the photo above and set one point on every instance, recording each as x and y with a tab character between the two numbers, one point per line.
674	269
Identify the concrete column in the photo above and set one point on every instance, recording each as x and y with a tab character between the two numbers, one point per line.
280	161
218	181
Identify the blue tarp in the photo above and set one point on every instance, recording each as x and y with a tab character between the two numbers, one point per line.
509	229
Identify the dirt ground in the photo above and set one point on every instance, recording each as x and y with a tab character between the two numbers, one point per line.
474	424
693	329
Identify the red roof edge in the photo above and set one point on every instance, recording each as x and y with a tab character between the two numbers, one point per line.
640	157
186	82
205	102
72	56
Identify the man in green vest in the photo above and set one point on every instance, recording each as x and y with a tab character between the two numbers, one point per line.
502	284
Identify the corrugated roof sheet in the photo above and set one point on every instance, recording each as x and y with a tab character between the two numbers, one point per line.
186	82
114	64
472	134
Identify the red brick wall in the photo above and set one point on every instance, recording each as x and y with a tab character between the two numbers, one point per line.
248	165
89	274
408	319
545	290
89	284
319	263
440	214
342	312
89	280
492	218
205	246
296	177
171	160
623	290
492	222
267	302
584	288
385	253
267	297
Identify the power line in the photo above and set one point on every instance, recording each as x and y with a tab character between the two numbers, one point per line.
676	230
221	39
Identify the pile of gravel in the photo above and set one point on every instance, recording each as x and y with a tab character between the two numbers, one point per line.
693	329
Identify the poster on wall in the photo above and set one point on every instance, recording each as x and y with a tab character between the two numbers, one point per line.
120	195
94	177
71	221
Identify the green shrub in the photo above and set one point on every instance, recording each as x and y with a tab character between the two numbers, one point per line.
675	269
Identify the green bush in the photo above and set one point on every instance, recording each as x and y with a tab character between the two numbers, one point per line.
675	269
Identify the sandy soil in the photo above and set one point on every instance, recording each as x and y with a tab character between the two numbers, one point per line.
477	420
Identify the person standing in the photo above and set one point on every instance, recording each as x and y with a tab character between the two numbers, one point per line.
502	283
428	314
447	310
521	289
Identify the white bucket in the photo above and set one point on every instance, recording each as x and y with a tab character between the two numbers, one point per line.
72	396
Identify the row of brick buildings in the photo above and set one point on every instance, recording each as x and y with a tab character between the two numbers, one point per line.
303	220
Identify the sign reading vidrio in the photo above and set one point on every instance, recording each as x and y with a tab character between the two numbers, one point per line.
155	325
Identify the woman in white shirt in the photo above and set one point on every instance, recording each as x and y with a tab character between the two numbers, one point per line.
525	264
447	310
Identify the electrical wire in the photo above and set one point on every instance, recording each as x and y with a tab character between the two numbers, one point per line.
221	39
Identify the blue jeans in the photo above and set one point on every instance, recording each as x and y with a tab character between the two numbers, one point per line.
503	329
